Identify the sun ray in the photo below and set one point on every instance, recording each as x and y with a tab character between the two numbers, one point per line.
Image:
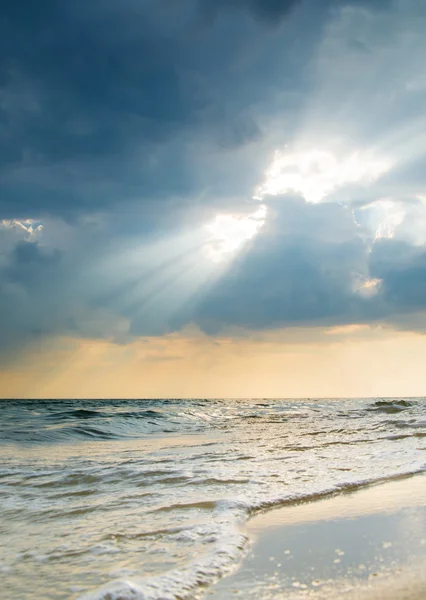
229	233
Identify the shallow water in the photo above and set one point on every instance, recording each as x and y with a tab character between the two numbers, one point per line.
149	498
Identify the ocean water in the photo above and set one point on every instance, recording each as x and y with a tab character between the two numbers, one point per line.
147	499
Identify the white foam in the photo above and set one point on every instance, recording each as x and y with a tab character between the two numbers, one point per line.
186	582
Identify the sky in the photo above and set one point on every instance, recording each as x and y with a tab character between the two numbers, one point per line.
207	198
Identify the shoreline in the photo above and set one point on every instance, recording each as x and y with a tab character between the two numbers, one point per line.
364	544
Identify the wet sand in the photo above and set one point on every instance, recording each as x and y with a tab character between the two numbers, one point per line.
366	544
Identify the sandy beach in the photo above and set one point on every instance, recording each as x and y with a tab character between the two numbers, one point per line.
366	544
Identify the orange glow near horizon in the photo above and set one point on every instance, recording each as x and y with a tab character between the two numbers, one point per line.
347	361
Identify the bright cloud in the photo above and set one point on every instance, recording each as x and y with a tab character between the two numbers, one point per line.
228	234
30	227
393	217
383	217
369	287
315	174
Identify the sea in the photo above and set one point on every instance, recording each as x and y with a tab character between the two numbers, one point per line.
148	499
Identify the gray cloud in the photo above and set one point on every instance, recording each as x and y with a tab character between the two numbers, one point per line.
402	269
104	102
99	102
306	267
269	11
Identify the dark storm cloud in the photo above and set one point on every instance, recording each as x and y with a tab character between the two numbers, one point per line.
104	102
80	98
402	269
99	101
301	272
269	11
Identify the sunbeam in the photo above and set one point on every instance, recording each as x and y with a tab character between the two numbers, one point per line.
228	233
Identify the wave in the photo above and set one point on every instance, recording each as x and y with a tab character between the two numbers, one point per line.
47	422
79	413
230	546
391	406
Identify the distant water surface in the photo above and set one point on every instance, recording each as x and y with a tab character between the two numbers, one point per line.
147	498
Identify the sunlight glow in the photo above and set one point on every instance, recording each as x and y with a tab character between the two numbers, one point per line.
383	217
393	216
368	287
316	174
158	280
229	233
30	227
